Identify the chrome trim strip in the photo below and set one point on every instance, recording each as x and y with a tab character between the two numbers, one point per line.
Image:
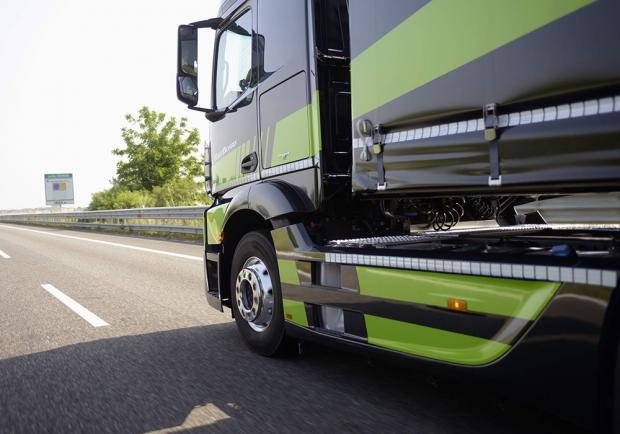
545	114
288	167
590	276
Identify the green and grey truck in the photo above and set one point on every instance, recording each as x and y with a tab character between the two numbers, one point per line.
433	180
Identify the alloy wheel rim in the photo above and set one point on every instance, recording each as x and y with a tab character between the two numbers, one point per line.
254	294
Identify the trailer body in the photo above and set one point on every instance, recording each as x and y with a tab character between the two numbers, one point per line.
547	70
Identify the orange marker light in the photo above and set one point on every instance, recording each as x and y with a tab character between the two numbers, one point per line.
222	237
458	305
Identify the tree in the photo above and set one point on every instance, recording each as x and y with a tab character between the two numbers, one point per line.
159	166
180	192
120	198
157	151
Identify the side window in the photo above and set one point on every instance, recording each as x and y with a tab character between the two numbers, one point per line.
234	61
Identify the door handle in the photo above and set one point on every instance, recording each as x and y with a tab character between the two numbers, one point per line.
249	163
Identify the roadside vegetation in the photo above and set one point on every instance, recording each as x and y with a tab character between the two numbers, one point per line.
159	166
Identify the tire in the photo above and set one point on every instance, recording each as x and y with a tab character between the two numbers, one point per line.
254	256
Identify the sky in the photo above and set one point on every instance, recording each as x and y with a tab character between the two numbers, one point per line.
70	71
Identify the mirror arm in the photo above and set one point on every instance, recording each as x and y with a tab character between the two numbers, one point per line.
200	109
211	23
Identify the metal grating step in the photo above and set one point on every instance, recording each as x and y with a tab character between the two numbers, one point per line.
431	235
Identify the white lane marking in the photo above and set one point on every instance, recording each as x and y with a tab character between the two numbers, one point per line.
76	307
109	243
4	255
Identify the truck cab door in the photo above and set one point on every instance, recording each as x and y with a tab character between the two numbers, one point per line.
286	95
234	144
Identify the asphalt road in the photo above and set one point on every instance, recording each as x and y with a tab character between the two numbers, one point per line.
110	333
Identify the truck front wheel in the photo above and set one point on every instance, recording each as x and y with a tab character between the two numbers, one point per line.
256	298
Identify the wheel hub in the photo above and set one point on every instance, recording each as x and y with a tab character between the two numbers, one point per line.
254	294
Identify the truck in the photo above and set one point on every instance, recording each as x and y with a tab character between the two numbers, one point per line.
436	181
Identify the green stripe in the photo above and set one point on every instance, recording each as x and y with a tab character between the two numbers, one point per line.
58	176
215	223
295	311
265	147
228	167
291	141
288	271
432	343
507	297
441	37
315	120
205	231
297	136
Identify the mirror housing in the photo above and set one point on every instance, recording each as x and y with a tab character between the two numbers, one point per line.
215	115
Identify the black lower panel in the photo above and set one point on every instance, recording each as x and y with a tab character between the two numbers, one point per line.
485	326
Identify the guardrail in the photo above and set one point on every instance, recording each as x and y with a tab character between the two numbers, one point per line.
174	220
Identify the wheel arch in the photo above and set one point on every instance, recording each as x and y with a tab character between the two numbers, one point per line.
237	225
264	206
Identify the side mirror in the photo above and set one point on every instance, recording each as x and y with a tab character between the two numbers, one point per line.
187	65
187	62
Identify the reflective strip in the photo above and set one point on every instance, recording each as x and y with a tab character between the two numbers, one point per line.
288	167
590	276
546	114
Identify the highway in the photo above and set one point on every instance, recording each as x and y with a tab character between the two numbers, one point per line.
111	333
